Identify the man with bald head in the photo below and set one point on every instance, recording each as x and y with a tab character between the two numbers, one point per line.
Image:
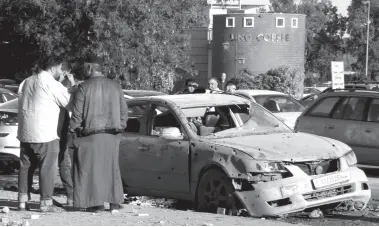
213	86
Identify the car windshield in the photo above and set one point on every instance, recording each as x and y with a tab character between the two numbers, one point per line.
279	103
228	120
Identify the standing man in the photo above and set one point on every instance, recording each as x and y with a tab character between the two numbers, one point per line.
99	115
65	142
40	98
191	86
213	86
223	81
230	86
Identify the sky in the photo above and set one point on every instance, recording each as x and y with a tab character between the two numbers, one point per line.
341	5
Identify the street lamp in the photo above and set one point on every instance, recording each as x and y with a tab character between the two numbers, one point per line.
368	34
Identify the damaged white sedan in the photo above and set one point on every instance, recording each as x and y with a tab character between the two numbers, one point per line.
221	151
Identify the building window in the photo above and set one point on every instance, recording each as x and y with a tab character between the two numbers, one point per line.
280	22
294	22
230	22
248	22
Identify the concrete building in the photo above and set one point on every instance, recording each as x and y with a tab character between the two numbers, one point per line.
258	42
277	44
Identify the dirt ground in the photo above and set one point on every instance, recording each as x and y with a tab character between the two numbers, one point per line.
161	212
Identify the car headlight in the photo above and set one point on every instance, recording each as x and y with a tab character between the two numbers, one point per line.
350	158
270	167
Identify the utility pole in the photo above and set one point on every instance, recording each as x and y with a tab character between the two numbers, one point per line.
368	35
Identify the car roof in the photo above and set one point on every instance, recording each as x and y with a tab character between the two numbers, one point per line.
141	93
259	92
366	93
197	100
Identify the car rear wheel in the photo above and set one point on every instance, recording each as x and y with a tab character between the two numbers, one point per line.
215	191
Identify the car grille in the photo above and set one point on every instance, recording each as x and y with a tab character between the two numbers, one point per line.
328	166
328	193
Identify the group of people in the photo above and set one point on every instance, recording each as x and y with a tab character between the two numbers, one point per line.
76	127
191	86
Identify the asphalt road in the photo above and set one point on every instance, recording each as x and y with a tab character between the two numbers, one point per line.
369	216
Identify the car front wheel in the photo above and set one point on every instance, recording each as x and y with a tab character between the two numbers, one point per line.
215	191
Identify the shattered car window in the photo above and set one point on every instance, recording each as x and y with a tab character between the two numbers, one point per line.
221	120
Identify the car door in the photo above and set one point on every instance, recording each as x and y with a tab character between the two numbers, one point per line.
316	119
130	157
165	161
350	127
370	132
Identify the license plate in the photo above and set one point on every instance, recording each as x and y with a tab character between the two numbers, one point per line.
331	179
290	190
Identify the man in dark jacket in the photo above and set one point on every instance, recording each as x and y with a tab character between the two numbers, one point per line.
99	115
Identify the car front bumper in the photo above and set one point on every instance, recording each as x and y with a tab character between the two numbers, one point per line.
269	198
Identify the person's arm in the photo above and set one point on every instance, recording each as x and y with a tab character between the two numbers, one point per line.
60	93
123	110
77	110
19	91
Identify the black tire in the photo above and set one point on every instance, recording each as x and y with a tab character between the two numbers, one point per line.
215	190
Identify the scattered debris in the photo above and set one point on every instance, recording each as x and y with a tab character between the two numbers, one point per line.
142	215
221	210
316	213
5	210
25	223
34	216
161	222
207	224
115	212
4	221
13	223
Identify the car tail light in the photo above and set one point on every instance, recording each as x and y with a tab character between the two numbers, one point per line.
8	119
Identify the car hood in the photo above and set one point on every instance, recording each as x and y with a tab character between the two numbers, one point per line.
291	147
289	118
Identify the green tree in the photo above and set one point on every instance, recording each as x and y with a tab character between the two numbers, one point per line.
142	42
357	29
324	31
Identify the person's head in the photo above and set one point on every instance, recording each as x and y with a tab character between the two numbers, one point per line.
213	83
55	66
191	85
230	87
223	77
92	66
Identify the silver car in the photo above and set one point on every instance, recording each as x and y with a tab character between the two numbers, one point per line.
351	117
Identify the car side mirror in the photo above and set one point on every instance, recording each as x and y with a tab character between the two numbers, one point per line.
171	133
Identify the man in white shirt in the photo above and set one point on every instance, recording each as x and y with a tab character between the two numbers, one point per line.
213	86
40	98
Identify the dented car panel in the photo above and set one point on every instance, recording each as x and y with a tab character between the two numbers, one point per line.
296	193
272	172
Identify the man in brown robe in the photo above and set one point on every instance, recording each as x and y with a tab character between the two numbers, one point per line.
99	115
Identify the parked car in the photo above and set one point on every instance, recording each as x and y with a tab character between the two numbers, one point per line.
6	95
281	105
348	116
310	91
129	94
222	150
9	144
9	84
